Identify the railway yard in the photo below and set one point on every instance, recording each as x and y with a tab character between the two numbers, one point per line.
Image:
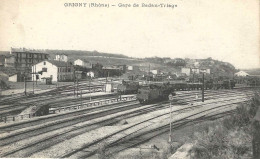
73	121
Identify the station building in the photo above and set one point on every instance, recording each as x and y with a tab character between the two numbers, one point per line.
54	70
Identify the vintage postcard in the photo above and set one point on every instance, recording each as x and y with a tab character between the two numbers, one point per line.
133	79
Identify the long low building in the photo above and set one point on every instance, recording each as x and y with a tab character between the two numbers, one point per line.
54	70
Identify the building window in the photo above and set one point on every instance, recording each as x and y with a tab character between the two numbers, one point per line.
45	56
30	60
30	55
44	69
44	63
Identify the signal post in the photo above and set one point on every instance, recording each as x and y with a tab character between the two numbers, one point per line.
170	135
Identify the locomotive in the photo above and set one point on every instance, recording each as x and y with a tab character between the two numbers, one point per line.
127	87
159	92
154	93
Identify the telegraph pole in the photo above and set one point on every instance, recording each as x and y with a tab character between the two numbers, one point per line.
33	77
74	81
89	90
36	75
170	135
149	73
203	87
24	84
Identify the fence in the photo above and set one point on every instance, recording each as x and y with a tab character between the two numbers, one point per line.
94	103
69	108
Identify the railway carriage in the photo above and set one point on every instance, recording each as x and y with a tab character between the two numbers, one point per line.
127	87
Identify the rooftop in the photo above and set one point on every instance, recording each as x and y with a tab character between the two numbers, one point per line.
59	63
28	50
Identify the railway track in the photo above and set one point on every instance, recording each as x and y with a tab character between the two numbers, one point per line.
15	106
69	102
18	104
125	144
61	137
78	112
57	91
133	133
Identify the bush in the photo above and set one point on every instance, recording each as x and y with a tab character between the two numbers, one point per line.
229	138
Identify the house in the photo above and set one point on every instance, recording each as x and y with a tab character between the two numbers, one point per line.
186	71
6	59
132	68
12	77
56	70
195	70
121	67
2	59
205	70
61	57
155	72
83	63
8	74
9	61
110	68
25	58
91	74
241	74
190	71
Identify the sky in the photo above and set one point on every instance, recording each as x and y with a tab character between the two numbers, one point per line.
226	30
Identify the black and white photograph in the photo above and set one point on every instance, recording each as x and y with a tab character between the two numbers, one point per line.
130	79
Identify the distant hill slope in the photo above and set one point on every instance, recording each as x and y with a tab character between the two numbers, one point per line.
216	67
80	53
255	71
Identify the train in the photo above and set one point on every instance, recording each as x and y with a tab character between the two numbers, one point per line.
154	93
128	87
225	84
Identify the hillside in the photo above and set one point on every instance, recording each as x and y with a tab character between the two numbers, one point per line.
255	71
165	64
80	53
217	68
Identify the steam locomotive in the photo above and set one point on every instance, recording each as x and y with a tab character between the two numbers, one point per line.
127	87
154	93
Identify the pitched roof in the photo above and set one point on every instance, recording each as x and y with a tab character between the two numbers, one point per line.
59	63
257	116
84	60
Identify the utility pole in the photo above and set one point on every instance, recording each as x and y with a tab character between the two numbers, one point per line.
33	77
36	75
193	77
203	87
81	98
170	135
89	90
77	86
74	81
149	73
24	84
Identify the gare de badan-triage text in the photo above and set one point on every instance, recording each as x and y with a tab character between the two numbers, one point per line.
121	5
